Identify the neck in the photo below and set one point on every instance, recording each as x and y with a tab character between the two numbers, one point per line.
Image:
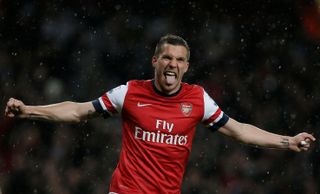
164	92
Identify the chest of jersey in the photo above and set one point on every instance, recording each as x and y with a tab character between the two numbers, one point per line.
158	119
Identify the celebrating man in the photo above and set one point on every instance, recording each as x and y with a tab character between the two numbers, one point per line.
159	117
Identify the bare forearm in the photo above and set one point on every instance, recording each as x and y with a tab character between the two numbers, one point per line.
60	112
256	136
253	135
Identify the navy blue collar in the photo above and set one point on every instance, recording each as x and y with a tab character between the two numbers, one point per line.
164	94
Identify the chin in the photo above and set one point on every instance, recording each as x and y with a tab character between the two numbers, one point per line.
171	88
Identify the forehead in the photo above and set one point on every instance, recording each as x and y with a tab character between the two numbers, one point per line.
175	50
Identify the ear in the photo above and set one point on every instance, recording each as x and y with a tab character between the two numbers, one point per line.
154	61
187	67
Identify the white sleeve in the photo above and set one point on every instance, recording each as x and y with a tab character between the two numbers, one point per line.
213	116
112	101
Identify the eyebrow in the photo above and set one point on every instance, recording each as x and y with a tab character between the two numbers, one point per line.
170	56
181	58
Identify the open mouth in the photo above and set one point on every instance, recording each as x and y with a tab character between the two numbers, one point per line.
170	76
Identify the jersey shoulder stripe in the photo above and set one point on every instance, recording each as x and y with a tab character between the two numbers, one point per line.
213	117
106	104
112	101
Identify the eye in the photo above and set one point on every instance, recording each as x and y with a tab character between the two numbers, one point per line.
166	57
181	59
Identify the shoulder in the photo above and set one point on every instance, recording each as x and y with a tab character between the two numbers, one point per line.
138	83
192	87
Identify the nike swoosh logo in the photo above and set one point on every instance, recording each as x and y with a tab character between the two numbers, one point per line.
142	105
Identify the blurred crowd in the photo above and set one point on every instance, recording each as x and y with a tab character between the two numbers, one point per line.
258	60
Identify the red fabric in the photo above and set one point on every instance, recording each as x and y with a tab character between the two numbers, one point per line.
157	139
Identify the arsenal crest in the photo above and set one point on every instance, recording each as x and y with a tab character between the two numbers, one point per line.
186	108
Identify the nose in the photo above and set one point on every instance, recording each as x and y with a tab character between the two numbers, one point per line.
173	63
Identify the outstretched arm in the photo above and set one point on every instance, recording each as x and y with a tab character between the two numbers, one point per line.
60	112
250	134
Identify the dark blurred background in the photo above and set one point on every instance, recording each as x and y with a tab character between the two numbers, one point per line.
258	59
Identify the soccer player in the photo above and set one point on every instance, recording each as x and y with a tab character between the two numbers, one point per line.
159	117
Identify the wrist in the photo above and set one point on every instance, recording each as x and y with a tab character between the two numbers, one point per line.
286	142
27	112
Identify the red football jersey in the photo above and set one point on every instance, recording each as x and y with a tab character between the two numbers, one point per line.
157	134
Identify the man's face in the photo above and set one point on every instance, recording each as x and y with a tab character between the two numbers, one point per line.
170	66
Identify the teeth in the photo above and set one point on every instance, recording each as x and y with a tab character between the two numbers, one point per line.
170	73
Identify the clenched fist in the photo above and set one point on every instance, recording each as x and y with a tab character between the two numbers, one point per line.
15	108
